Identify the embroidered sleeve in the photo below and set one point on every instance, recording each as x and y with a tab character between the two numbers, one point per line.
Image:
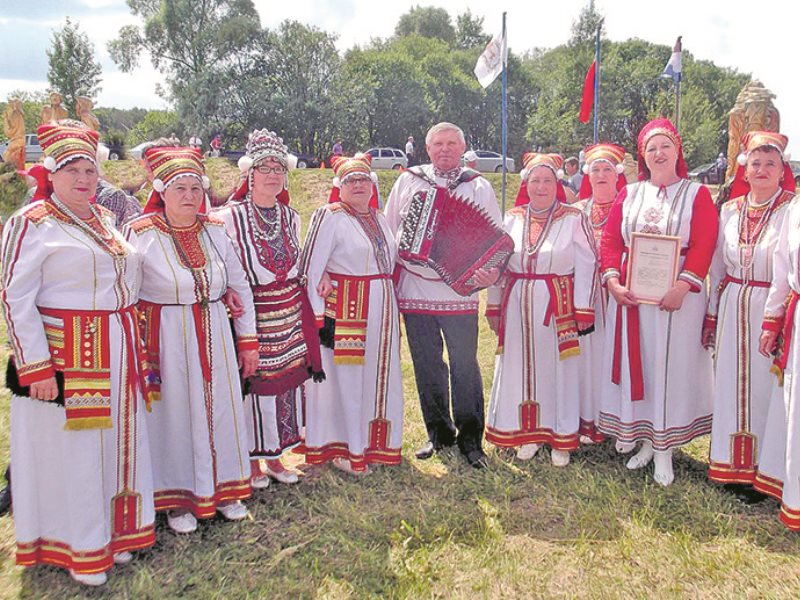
317	250
23	254
716	273
612	244
245	326
775	307
702	241
585	268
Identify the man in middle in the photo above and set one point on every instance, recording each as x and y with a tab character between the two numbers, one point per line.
435	315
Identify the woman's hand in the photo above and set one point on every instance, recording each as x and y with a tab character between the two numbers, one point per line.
325	286
673	299
485	278
767	342
621	294
248	363
46	389
709	337
234	303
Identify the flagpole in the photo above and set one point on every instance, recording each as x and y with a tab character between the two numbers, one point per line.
504	123
678	104
597	81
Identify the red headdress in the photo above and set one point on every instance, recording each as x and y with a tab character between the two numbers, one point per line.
61	143
262	144
612	154
167	165
665	127
530	160
753	140
344	167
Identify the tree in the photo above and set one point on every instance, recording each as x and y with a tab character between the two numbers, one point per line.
429	22
73	70
155	124
469	31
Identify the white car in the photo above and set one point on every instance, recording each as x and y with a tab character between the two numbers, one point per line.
136	152
492	162
388	158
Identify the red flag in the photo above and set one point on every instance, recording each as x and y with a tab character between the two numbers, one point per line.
588	93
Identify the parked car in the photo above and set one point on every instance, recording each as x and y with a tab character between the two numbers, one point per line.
116	151
136	152
707	174
492	162
33	151
304	161
388	158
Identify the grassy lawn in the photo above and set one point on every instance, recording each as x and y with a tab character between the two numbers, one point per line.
438	529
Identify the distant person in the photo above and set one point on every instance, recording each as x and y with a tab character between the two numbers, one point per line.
216	146
410	150
721	164
336	151
573	177
471	160
195	142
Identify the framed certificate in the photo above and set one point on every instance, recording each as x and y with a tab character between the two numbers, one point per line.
652	265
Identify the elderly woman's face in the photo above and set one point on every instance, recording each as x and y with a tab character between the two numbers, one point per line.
75	182
661	154
541	185
602	176
269	176
764	170
356	189
182	199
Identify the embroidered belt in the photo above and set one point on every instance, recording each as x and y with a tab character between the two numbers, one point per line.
149	330
634	347
728	279
560	308
79	342
348	305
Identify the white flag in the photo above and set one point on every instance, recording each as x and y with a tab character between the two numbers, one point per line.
673	68
490	64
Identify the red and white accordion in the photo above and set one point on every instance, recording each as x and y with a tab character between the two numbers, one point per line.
454	237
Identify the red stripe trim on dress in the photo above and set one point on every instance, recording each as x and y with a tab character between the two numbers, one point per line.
202	507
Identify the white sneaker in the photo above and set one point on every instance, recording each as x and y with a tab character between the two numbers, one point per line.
185	523
559	458
122	558
527	451
92	579
235	511
585	439
260	483
345	465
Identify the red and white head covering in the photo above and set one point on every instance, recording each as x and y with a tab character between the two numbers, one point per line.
660	126
754	140
168	164
345	167
262	144
531	160
610	153
62	143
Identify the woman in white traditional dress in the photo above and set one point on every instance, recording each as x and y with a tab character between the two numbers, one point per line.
543	300
603	178
197	426
658	379
740	276
265	232
779	465
83	496
355	417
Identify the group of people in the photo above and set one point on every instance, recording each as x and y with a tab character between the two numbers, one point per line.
194	348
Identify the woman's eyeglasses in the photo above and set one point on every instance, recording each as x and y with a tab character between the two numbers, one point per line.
265	170
356	180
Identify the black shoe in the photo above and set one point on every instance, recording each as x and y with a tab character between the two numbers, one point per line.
426	451
5	499
477	459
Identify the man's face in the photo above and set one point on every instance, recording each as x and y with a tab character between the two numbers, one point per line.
445	149
571	168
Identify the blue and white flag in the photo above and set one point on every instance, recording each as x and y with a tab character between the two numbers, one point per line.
673	68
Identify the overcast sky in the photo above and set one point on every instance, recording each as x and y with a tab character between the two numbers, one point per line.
753	37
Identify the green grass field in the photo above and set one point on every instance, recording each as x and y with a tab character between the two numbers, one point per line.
438	529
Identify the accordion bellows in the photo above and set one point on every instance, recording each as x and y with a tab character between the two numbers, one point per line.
454	237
